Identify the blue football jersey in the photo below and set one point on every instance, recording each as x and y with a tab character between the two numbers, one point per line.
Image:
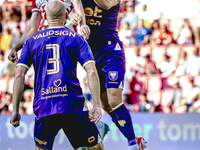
54	53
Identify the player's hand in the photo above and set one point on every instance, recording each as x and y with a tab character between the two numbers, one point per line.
75	18
13	56
85	31
95	114
15	119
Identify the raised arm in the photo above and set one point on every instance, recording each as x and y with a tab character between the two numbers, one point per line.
30	31
106	4
94	85
78	8
18	88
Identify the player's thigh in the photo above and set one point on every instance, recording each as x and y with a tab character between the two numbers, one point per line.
45	130
98	146
114	96
80	131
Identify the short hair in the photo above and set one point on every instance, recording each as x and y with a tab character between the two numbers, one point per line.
55	9
147	56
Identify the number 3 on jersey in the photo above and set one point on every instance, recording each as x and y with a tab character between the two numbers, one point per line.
55	59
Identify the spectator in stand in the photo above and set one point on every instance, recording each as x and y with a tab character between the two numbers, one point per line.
186	35
145	106
190	94
196	106
131	17
127	83
133	59
142	33
155	32
28	101
145	15
166	66
177	96
149	67
5	39
197	25
5	104
4	66
16	36
181	64
165	36
126	35
193	65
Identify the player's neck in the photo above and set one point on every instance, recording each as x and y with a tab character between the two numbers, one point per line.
57	23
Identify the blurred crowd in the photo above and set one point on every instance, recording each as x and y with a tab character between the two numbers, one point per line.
162	62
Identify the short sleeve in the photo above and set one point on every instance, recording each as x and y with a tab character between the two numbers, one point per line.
85	55
25	58
34	7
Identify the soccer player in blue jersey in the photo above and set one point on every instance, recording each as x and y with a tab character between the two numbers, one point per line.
58	101
101	17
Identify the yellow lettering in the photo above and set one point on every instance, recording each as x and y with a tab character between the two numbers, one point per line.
88	21
91	21
40	35
56	32
51	32
65	32
43	92
91	139
73	34
47	91
55	90
88	11
52	89
34	37
59	89
45	34
96	11
65	88
97	22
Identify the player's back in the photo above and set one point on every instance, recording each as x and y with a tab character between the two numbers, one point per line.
55	53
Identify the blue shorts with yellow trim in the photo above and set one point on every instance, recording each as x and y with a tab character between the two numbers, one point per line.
111	68
77	127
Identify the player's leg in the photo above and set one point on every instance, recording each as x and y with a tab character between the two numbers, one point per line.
106	106
45	130
81	132
98	146
37	148
120	115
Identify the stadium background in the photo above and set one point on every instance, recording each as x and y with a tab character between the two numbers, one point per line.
165	128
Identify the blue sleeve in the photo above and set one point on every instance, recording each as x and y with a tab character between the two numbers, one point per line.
25	58
85	53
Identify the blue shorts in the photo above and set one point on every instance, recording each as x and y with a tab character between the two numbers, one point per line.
77	127
111	68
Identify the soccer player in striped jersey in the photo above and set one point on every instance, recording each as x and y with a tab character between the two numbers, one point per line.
101	17
58	99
